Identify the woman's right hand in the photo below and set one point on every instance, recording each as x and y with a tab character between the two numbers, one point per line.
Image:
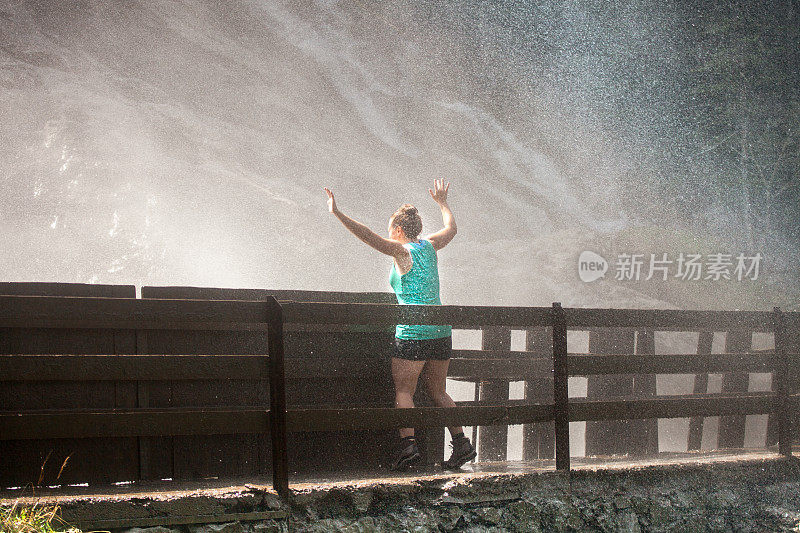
439	192
331	201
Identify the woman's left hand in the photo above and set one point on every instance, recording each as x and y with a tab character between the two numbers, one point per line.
331	201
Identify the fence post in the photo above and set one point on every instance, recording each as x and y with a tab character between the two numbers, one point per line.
731	427
277	398
780	379
493	440
705	341
560	389
538	441
644	386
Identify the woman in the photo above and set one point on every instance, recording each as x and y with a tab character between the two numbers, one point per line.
419	350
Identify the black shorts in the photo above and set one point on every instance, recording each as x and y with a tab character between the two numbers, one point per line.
423	349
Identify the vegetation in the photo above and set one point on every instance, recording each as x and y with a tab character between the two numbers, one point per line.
36	518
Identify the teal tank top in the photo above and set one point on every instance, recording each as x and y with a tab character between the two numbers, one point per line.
420	286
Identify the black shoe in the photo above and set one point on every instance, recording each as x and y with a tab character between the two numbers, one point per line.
408	456
463	451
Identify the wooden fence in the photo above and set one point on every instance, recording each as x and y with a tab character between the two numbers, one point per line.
487	364
292	352
194	393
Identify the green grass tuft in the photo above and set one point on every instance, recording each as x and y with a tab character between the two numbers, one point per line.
36	518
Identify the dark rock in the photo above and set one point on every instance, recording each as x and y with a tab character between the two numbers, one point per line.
230	527
489	515
156	529
269	526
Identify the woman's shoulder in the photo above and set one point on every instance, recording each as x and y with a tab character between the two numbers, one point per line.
425	242
421	245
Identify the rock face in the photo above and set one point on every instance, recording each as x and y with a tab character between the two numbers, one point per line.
752	496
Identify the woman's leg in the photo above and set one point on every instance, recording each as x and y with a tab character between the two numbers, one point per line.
434	374
405	374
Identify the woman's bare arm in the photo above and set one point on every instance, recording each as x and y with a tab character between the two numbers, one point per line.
382	244
441	238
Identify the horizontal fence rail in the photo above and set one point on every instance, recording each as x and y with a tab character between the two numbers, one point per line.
584	365
390	417
752	403
86	367
274	367
461	317
139	422
130	313
117	367
669	319
80	423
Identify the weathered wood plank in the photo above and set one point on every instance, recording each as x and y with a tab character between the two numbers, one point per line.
791	320
310	368
561	408
87	323
47	288
382	417
644	386
185	421
781	387
463	317
500	369
731	427
89	423
493	441
223	293
277	400
87	367
125	454
673	406
128	313
538	440
668	319
604	364
339	328
657	319
705	340
120	367
504	354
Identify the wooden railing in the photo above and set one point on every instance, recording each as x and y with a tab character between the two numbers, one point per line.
563	410
76	313
273	317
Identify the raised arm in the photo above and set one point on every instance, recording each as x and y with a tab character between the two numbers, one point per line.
441	238
382	244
